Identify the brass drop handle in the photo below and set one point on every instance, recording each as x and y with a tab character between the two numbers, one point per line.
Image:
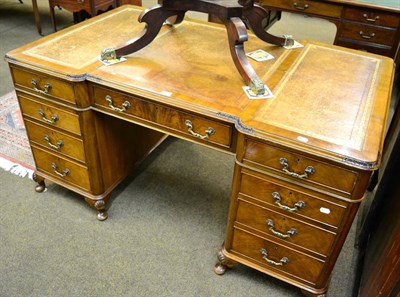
208	132
56	146
300	7
289	233
369	19
366	35
285	169
296	207
53	120
124	107
62	174
46	89
281	262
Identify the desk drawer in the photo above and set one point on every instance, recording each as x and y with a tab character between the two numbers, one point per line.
383	50
368	33
167	119
373	17
318	8
53	116
284	227
257	249
61	169
279	195
57	141
43	85
300	167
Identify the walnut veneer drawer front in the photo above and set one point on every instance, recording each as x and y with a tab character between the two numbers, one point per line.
168	118
283	260
55	117
284	227
57	141
44	85
291	200
373	17
300	167
368	33
312	7
62	169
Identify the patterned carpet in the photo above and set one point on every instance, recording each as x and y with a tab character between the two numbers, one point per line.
15	153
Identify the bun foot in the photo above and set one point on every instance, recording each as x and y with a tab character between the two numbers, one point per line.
220	268
222	262
102	215
41	186
100	206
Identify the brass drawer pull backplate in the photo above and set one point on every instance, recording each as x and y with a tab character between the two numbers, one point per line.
299	6
124	107
370	19
208	132
46	89
56	146
289	233
281	262
53	120
296	207
366	35
285	169
62	174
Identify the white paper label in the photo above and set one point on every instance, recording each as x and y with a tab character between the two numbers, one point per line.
166	93
325	210
302	138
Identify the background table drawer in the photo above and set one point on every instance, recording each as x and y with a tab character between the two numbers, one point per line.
284	227
53	116
312	7
379	49
373	17
62	169
299	266
169	119
57	141
368	33
324	174
43	85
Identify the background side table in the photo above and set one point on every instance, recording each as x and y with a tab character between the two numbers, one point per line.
87	7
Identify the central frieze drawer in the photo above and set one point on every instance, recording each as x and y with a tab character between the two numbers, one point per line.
285	228
62	169
53	116
166	118
293	200
300	167
280	259
56	141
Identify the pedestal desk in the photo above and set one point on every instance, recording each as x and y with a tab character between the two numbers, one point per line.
303	158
